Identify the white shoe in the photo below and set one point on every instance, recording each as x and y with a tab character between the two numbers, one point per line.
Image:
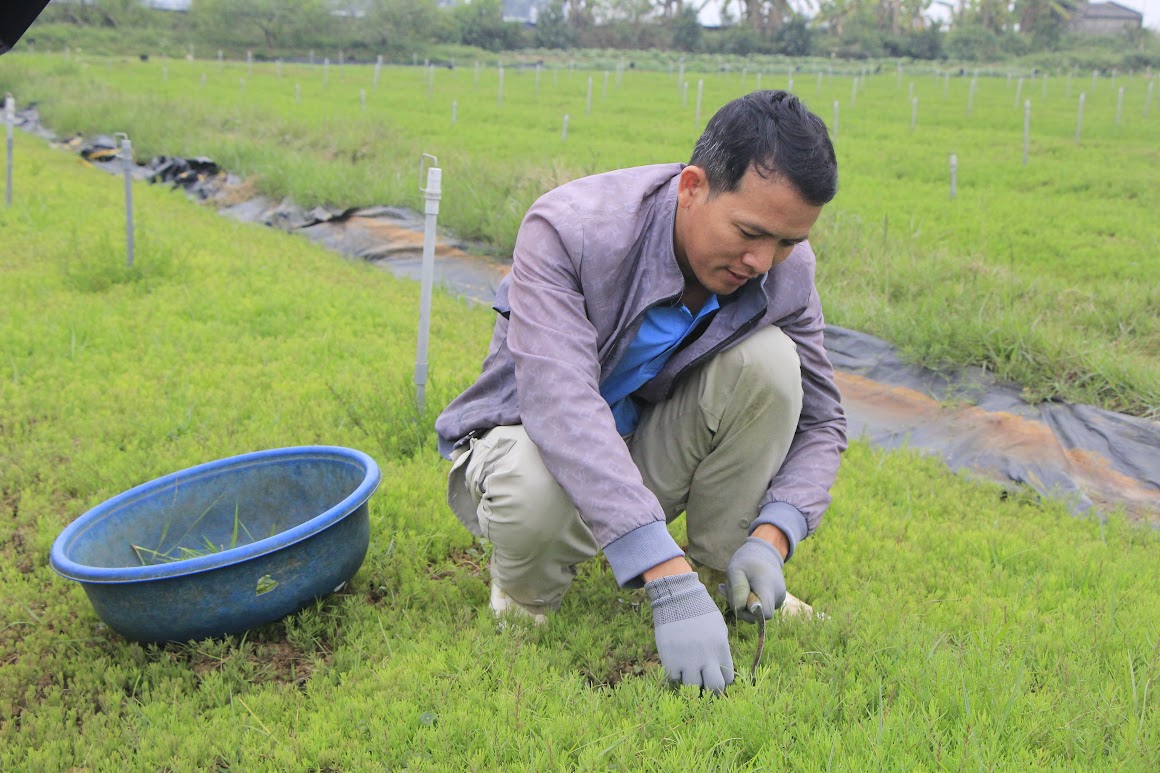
503	604
795	607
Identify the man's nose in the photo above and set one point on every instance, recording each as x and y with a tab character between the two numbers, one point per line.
759	260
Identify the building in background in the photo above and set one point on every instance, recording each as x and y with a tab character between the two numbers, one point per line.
1106	19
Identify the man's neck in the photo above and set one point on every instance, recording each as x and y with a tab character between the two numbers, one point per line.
695	296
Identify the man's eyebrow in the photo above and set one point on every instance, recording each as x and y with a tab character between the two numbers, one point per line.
762	232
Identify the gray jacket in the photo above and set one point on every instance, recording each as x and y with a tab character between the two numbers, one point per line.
590	258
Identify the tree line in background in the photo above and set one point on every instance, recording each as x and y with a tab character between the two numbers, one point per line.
979	30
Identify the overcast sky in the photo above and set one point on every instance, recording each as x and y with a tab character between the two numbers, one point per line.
1150	9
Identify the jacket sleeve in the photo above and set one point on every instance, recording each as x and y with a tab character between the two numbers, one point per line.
810	468
557	370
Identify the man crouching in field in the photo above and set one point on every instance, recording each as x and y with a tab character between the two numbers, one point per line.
659	351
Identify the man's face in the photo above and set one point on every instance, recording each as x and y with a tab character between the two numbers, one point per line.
723	241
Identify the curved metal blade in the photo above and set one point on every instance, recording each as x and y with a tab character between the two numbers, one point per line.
755	610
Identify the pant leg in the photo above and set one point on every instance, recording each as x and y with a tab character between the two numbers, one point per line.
536	532
712	448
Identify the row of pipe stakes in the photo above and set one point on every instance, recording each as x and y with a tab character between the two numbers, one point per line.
10	120
432	193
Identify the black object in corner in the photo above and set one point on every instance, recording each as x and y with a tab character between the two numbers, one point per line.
16	16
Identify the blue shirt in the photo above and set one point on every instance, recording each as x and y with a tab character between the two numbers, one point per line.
661	332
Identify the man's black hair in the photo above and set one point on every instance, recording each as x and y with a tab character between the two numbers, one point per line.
773	132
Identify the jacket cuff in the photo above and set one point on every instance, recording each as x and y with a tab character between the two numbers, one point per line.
787	518
639	550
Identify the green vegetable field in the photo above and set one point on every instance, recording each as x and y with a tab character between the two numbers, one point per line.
967	626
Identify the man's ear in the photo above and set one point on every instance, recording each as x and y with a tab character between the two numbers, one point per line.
692	183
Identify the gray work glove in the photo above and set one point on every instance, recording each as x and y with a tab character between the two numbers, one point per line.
756	566
691	636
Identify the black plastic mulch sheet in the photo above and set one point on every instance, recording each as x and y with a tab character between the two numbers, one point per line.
1089	456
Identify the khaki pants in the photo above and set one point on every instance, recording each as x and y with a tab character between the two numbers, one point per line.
709	451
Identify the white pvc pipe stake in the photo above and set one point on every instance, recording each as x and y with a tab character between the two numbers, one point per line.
819	80
588	102
685	95
1026	130
1119	105
564	134
1019	93
854	91
898	83
910	90
431	82
604	94
454	110
378	72
954	175
1079	116
249	63
362	98
203	80
790	87
431	195
10	119
476	82
971	95
278	67
700	92
326	72
127	162
297	92
835	119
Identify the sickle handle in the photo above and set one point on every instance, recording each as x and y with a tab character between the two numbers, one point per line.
753	603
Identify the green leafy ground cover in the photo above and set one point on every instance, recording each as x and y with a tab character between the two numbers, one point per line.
968	627
1044	274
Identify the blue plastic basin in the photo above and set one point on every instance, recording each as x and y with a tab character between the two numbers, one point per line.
224	546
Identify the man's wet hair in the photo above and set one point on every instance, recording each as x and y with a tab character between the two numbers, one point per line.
775	133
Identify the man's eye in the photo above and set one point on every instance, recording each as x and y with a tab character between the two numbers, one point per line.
748	235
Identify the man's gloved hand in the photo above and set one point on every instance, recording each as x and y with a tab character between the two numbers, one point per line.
757	566
691	636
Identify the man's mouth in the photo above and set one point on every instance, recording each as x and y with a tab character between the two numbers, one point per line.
739	279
